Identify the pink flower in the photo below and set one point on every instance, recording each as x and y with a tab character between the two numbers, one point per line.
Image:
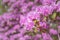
58	6
47	10
46	36
22	19
33	15
29	25
16	27
53	31
48	2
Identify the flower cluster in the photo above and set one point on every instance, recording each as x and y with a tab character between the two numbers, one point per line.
30	20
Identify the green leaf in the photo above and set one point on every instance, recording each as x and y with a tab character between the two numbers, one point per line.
53	16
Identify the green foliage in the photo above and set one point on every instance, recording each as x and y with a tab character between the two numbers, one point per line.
2	8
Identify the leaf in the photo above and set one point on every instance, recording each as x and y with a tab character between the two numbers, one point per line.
53	16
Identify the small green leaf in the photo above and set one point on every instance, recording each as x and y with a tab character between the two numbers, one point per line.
53	16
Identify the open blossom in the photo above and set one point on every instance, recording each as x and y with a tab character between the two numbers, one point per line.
37	37
33	15
58	6
44	25
53	31
46	10
22	19
48	2
27	22
7	16
29	25
16	27
46	36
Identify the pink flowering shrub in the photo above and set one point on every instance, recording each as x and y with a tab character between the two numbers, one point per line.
30	20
